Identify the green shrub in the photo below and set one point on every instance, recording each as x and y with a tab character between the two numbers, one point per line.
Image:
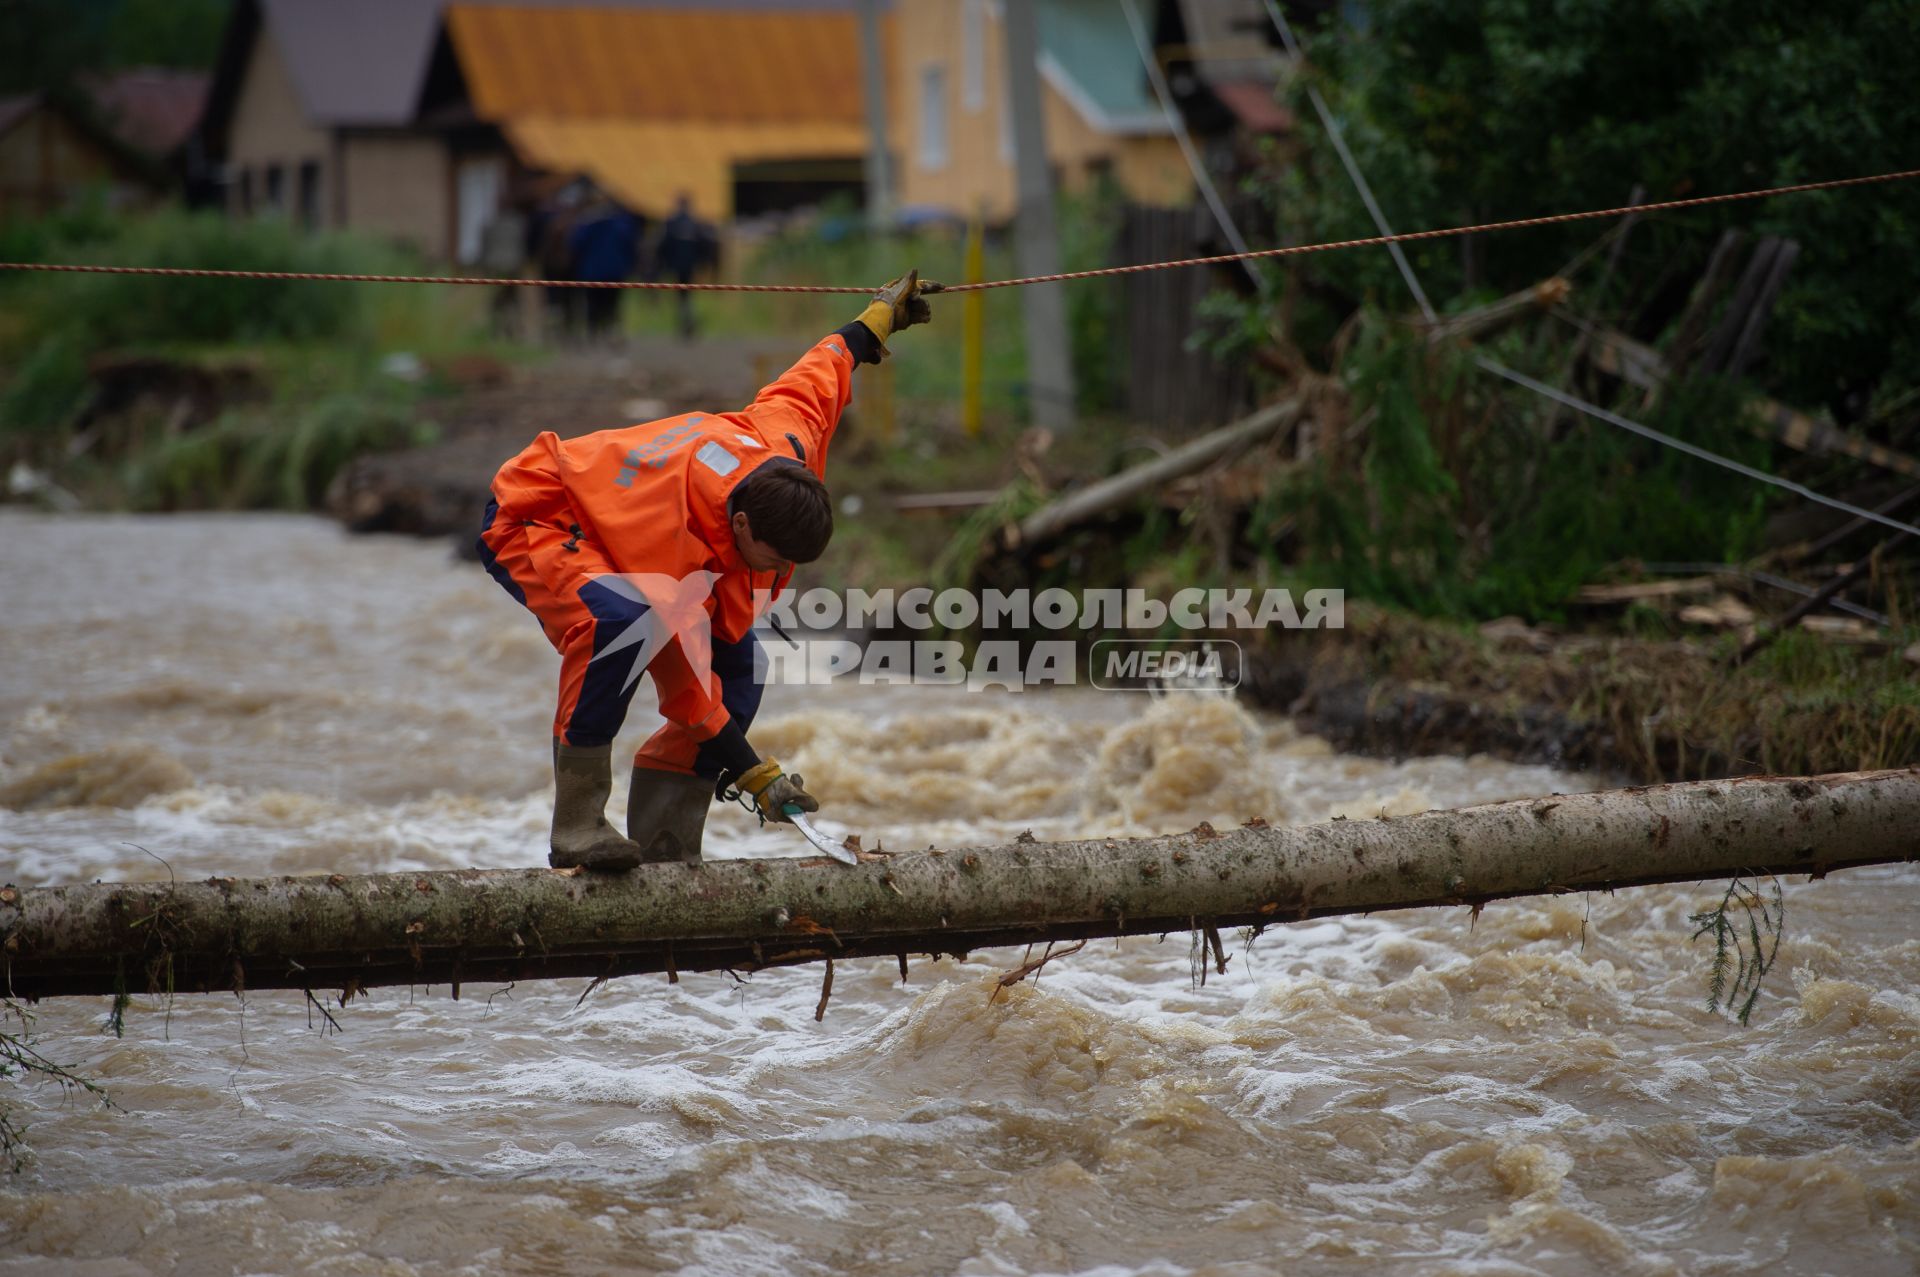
1465	499
268	458
1089	224
118	310
47	388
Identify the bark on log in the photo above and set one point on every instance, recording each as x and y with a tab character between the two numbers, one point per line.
353	933
1097	498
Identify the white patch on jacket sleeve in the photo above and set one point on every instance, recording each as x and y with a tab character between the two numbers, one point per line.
748	441
716	458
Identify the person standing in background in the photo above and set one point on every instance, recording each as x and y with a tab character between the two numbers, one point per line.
605	246
550	246
686	244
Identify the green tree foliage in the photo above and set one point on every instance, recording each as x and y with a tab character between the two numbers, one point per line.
45	44
1476	110
167	33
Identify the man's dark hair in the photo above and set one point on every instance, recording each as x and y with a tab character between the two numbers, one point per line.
789	509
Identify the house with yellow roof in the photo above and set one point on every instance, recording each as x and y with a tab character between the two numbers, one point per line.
715	100
731	105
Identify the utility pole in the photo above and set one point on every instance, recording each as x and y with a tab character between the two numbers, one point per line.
1036	239
874	83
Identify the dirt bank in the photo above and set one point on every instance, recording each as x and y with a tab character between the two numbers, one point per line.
1396	685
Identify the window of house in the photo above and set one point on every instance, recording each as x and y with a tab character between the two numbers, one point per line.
933	116
276	193
309	194
973	54
480	184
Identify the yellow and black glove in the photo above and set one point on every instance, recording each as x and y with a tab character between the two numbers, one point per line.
771	790
901	304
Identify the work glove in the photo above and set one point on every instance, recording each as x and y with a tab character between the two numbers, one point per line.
770	790
901	304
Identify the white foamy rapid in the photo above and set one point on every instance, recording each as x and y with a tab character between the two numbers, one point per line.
1538	1092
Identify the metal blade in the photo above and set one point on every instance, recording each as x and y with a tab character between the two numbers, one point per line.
824	844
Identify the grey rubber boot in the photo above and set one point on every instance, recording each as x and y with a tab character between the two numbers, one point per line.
667	814
582	838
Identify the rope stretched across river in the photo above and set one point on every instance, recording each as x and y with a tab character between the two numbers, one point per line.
186	272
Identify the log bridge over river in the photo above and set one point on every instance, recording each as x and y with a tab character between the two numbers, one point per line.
355	932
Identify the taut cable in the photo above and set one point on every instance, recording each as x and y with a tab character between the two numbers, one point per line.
1297	250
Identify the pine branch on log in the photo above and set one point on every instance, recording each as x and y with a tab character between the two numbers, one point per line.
357	932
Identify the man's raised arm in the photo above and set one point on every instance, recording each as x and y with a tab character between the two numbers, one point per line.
815	391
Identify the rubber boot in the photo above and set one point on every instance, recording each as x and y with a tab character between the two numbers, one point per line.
667	814
582	838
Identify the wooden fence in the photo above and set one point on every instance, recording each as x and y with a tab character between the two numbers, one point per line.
1165	384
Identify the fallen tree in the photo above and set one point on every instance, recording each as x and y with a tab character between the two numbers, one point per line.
1132	484
352	933
1484	321
1141	481
1642	366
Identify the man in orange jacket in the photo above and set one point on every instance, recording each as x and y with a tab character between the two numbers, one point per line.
650	548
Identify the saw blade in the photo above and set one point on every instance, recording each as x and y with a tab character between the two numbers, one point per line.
826	845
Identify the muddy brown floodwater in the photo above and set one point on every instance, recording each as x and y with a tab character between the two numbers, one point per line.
1540	1092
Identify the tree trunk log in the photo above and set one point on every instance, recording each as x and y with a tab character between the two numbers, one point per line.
356	932
1097	498
1484	321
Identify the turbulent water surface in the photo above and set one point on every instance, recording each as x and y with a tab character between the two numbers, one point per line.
1540	1091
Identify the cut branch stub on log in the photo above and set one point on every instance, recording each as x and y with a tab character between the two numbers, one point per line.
357	932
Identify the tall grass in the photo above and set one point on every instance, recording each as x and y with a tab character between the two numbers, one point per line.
267	458
316	346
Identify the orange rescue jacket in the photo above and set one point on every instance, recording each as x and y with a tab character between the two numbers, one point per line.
654	498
